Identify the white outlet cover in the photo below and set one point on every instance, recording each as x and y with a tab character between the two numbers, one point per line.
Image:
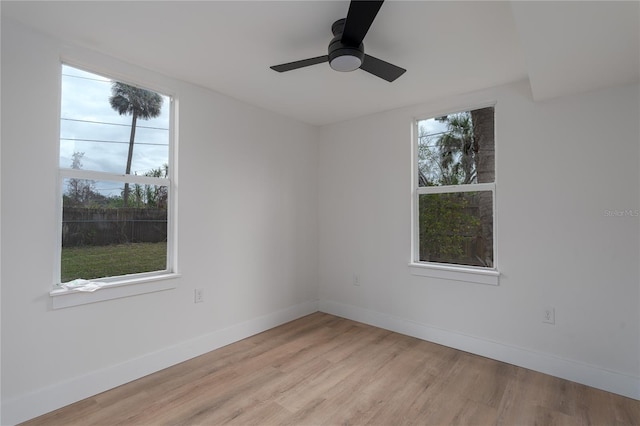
549	315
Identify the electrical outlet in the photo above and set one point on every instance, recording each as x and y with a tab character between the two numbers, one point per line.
198	295
549	315
356	280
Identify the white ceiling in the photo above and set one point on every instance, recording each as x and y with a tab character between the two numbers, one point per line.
447	47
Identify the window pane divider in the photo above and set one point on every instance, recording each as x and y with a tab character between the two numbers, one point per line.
445	189
117	177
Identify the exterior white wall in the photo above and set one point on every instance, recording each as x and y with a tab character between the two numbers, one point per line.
560	166
247	226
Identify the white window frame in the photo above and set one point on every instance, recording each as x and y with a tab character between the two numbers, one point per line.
132	284
455	272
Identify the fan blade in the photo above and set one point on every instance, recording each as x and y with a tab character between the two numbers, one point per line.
381	69
359	18
300	64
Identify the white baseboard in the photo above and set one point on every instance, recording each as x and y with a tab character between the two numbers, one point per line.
589	375
41	401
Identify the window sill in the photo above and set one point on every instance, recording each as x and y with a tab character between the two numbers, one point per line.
456	273
64	298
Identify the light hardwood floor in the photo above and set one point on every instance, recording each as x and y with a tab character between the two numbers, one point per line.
325	370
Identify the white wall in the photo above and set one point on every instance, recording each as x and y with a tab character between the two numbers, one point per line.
560	165
247	227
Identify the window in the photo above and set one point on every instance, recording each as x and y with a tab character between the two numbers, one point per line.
116	189
454	191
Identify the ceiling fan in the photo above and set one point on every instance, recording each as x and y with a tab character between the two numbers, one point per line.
346	51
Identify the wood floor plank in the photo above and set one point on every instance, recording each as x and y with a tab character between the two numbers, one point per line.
399	407
364	392
269	413
326	370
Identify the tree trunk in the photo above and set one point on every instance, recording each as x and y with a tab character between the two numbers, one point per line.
483	133
134	120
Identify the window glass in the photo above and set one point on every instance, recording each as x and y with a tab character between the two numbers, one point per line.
451	228
115	178
90	125
455	187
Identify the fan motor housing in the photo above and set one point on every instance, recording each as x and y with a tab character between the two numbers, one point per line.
344	56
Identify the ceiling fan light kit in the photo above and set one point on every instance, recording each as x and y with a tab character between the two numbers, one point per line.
346	50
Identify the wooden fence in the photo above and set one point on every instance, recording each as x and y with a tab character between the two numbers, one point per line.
104	226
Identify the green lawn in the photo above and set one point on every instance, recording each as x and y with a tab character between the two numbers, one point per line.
91	262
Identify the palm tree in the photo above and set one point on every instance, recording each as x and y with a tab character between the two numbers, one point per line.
467	151
458	149
483	133
139	103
